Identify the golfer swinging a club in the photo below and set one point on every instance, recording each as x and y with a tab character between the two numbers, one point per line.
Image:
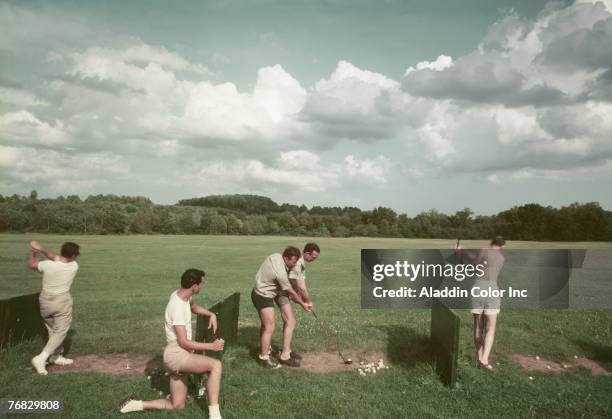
271	279
179	358
297	278
55	299
486	309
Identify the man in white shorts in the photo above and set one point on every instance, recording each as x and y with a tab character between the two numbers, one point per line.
179	356
486	309
297	278
55	299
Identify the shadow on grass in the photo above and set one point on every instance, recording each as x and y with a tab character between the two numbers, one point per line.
596	351
67	342
406	347
154	368
160	379
248	337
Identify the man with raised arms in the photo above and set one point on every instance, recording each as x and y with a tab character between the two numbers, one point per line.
271	279
55	299
179	356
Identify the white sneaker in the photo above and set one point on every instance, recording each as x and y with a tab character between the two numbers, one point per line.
213	412
130	405
39	365
60	360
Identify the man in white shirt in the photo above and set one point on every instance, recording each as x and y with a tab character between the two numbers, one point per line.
55	299
179	356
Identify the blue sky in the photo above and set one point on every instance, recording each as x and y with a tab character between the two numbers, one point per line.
412	105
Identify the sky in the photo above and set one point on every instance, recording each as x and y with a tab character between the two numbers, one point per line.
412	105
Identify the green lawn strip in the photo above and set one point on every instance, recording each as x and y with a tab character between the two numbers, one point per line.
125	281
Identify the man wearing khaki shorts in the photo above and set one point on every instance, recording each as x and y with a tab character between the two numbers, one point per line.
179	356
55	299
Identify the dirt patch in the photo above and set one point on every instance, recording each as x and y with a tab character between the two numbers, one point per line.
114	364
596	369
330	362
536	363
531	363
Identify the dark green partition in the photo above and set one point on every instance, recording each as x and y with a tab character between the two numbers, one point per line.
445	341
227	312
20	320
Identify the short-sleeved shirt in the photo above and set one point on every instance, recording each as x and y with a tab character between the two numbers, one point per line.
57	276
272	276
298	271
495	262
178	313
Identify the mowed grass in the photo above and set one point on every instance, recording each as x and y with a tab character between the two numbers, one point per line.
124	283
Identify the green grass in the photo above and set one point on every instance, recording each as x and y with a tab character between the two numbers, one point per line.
124	283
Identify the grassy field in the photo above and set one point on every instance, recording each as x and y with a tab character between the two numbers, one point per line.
124	283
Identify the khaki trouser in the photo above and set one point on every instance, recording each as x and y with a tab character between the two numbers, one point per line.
56	311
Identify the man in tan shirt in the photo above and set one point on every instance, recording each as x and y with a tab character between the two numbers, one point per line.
270	280
55	299
297	278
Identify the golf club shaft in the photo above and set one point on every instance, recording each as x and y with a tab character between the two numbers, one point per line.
331	333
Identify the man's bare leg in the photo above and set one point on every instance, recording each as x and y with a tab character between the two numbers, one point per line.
288	329
489	337
266	315
178	396
478	335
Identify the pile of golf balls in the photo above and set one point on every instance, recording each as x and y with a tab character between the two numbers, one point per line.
371	368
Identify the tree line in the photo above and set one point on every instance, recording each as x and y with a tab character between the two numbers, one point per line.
258	215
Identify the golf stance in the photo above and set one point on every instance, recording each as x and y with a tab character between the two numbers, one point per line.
179	359
270	280
55	299
297	279
486	309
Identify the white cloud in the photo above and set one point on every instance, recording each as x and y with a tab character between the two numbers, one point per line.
233	175
60	172
23	127
373	171
278	93
442	62
518	125
19	98
299	159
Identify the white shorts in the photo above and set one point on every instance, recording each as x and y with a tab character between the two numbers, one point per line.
175	358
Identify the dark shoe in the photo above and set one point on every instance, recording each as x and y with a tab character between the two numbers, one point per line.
291	362
269	363
488	367
277	353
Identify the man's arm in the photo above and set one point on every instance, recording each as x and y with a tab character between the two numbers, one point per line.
301	288
190	345
212	317
34	245
307	306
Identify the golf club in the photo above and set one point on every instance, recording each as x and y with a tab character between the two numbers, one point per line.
331	333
